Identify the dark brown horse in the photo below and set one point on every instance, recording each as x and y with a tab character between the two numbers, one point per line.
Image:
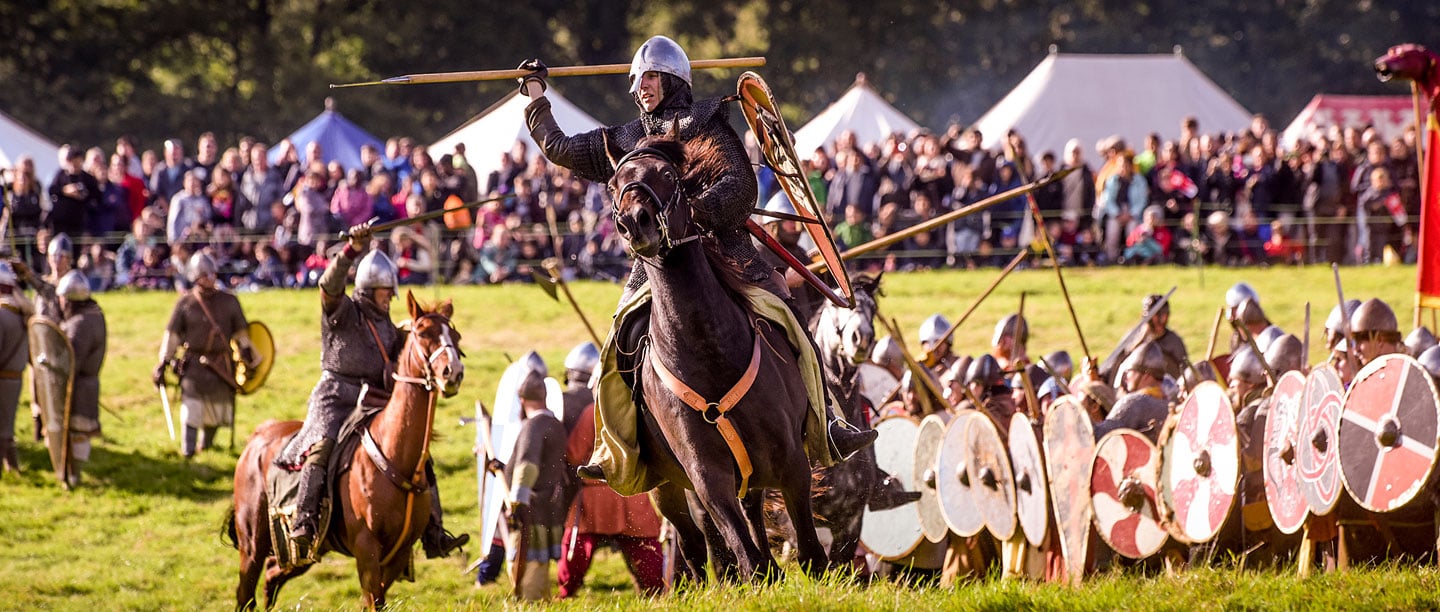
375	520
701	332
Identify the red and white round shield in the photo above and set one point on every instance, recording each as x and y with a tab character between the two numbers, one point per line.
1124	496
1317	450
1388	433
1200	466
1282	437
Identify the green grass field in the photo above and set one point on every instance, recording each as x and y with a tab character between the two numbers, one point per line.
143	531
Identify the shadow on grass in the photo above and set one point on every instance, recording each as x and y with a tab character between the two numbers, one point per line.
207	479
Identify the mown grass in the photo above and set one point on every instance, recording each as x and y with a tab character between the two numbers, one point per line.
143	531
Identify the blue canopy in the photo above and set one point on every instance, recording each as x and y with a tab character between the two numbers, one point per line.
339	139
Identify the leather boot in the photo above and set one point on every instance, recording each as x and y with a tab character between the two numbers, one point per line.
846	439
189	442
312	490
436	541
590	471
9	456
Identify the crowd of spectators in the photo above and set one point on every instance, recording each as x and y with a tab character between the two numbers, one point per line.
1344	195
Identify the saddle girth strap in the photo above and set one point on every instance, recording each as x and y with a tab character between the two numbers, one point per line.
416	485
715	412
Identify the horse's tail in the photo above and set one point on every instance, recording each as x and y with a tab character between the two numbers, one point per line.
228	535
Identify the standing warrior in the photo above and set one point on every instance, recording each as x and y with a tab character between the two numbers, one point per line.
536	474
660	85
358	344
84	326
14	354
1157	330
203	322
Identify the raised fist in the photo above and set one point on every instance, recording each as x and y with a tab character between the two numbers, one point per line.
538	73
358	237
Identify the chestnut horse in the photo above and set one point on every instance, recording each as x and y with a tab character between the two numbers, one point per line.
701	332
375	520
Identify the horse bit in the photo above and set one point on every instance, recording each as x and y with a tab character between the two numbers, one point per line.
446	348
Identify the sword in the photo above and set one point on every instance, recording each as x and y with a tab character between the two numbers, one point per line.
165	404
558	71
1350	349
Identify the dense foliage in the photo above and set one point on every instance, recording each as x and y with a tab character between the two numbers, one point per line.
90	70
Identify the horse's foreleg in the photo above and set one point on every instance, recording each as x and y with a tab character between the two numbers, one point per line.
717	495
796	491
722	557
754	504
844	540
670	500
276	577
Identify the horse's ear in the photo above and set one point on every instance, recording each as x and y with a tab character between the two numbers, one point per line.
413	306
674	132
446	308
609	153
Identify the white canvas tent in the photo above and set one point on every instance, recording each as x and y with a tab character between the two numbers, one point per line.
861	110
1091	97
494	131
17	140
1390	115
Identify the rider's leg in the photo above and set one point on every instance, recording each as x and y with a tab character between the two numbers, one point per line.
312	490
436	541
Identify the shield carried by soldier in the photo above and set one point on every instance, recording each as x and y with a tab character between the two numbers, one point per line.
876	383
952	481
762	114
1317	453
1200	465
1032	495
1069	434
53	365
1124	495
1388	433
991	479
1282	439
927	448
247	378
894	533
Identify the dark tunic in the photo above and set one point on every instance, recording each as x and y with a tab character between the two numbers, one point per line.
720	207
85	327
576	399
537	475
205	385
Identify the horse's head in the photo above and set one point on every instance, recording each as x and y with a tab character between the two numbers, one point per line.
1410	62
433	351
649	210
851	331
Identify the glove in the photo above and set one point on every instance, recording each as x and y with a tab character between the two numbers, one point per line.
359	237
495	465
538	72
158	376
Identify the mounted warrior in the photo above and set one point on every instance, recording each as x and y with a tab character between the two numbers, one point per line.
359	345
203	322
660	85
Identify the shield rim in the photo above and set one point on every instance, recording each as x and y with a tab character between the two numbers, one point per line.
1074	559
1305	408
1168	513
1159	505
1295	441
960	423
253	383
919	533
930	496
1023	429
1375	365
61	471
748	86
1006	478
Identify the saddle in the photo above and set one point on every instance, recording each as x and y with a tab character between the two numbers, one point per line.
282	488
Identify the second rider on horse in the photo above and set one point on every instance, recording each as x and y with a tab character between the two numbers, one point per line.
359	345
660	85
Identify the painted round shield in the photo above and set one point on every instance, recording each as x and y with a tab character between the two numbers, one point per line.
952	482
991	479
894	533
1317	453
1032	494
1282	437
1388	433
1070	443
927	448
1200	465
876	383
1123	493
250	379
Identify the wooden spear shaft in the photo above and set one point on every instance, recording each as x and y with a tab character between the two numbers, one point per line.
558	71
929	357
943	220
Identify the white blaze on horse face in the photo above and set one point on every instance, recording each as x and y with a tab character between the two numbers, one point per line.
453	370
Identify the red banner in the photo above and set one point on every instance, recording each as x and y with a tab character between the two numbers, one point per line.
1428	269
